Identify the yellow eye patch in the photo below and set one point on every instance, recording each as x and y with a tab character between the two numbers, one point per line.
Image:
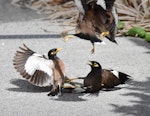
95	65
52	53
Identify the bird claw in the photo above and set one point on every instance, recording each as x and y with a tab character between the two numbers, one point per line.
54	92
68	80
103	34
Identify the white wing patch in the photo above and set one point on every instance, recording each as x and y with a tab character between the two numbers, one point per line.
37	62
102	4
79	6
116	73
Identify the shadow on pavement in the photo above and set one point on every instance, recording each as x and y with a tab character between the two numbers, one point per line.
70	97
140	107
25	86
140	43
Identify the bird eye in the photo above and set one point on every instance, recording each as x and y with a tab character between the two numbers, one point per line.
52	53
96	65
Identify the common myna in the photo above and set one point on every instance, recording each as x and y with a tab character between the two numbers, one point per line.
85	29
92	82
102	78
102	15
39	70
93	79
95	16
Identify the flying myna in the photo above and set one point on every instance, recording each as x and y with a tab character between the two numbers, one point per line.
101	13
102	78
39	70
95	16
85	29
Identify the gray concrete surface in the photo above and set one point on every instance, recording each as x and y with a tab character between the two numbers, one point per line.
20	98
9	13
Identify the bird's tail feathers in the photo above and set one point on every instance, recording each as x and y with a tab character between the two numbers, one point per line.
124	78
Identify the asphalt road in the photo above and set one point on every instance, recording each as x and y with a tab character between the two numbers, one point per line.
20	98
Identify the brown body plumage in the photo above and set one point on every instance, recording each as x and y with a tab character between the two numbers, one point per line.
111	78
92	81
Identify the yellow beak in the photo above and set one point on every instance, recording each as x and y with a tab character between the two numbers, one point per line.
58	49
89	63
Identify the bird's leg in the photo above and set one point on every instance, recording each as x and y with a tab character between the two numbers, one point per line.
69	80
93	49
72	84
65	36
59	89
54	91
103	34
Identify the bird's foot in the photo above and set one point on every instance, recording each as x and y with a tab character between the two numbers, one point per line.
53	92
69	80
103	34
67	37
68	87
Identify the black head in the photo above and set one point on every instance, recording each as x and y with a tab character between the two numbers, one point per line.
53	52
95	65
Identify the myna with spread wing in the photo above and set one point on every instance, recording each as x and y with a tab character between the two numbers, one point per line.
85	29
96	16
39	70
101	13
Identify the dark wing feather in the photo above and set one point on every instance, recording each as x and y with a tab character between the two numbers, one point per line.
39	77
109	4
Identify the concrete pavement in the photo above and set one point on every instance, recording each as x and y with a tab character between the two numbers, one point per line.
18	97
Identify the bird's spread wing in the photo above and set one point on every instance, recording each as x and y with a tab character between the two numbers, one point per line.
34	67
